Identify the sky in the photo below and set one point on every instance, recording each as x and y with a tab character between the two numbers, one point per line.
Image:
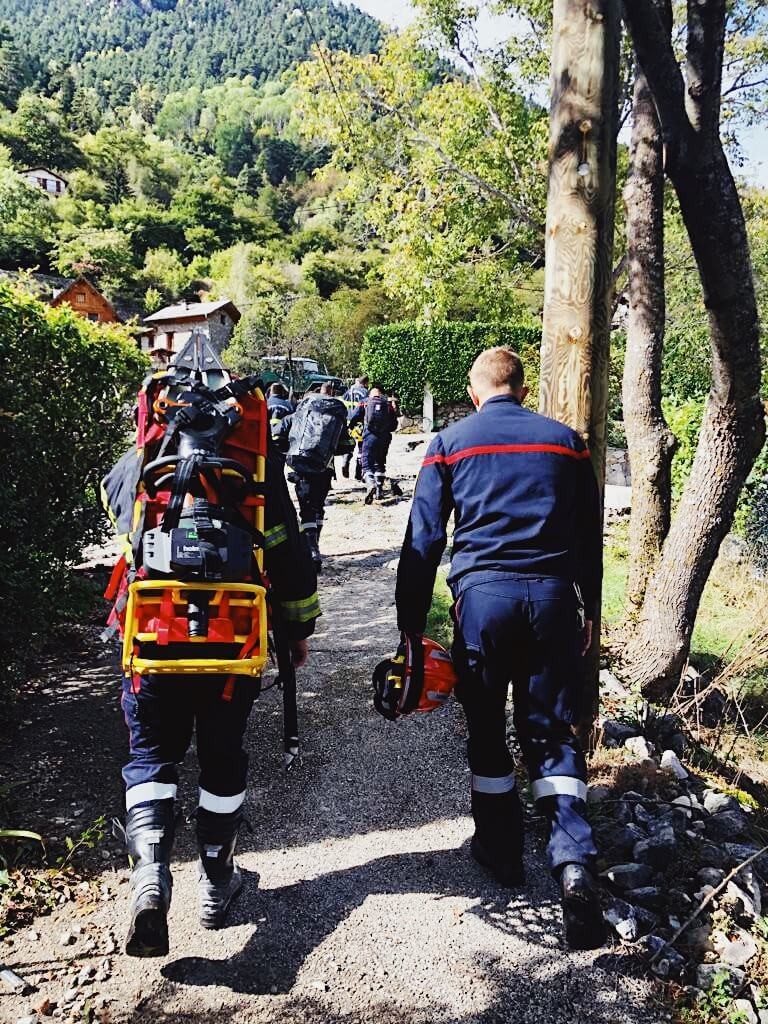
400	13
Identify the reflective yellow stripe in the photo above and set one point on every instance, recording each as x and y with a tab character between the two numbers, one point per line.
302	611
275	535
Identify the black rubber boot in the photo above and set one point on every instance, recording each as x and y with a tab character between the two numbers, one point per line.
394	486
379	485
370	484
313	541
220	879
149	837
497	844
582	915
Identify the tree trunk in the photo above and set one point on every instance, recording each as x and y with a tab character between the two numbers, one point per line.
733	428
651	443
579	233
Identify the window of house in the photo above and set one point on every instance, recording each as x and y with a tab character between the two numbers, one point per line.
80	298
169	339
223	319
93	316
58	185
41	182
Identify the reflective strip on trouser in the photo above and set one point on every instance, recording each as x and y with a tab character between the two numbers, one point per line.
146	792
559	785
162	717
531	627
489	784
307	526
220	804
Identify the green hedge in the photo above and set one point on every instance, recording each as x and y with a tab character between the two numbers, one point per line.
404	356
65	388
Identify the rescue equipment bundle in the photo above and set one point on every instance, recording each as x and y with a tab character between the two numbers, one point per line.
419	677
188	506
318	425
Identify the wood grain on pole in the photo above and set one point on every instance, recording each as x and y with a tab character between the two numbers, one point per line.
579	231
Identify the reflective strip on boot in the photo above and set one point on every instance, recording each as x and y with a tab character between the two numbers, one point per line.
220	804
148	791
559	785
491	784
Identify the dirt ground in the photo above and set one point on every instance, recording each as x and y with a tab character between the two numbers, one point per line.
361	901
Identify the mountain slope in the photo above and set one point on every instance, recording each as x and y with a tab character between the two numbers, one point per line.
117	45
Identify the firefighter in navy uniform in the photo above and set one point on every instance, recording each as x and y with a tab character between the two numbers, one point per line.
161	713
281	408
378	417
353	398
525	577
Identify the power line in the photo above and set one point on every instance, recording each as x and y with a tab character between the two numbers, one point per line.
321	53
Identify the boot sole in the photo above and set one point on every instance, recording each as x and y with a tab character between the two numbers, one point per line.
210	923
148	934
583	923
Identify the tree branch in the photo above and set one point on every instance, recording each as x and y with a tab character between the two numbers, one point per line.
651	39
480	183
704	66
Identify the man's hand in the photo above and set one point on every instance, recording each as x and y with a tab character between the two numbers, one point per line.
586	637
300	652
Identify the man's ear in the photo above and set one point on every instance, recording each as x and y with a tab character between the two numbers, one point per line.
523	393
473	396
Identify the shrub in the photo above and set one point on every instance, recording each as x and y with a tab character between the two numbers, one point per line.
64	393
405	356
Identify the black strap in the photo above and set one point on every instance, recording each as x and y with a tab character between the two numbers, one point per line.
186	470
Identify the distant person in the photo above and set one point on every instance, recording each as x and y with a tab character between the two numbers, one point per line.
525	578
353	398
379	421
318	427
281	409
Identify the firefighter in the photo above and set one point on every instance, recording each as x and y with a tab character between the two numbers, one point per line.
525	577
281	408
378	417
353	398
161	713
313	470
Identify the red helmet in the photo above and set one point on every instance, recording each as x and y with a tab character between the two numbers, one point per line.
420	677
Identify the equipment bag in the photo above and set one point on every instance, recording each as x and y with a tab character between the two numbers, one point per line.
188	506
317	427
378	416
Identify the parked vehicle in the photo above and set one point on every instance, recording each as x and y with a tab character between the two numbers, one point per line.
298	373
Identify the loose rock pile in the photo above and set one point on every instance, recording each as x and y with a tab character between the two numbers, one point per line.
683	875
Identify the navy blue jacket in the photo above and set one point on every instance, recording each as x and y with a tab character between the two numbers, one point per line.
525	502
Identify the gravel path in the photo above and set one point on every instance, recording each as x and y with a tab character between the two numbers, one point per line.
362	903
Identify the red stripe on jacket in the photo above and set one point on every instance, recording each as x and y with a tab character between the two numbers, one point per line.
505	449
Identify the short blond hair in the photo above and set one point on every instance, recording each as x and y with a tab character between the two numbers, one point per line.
497	367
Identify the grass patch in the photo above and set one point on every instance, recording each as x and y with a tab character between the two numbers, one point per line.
733	607
439	625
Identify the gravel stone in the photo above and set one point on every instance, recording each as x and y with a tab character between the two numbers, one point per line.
707	973
617	733
728	825
710	876
658	850
628	876
622	918
747	1011
671	762
638	747
649	896
715	801
737	950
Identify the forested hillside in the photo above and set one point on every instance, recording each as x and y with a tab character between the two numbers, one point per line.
114	46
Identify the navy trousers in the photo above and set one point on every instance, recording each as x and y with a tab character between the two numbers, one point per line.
311	493
161	716
526	632
375	450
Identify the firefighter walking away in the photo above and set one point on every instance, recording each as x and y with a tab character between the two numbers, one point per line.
525	578
203	511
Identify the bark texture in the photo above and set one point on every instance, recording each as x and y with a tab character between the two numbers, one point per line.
733	428
579	234
651	443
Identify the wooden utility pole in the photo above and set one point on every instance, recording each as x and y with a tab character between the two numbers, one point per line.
579	234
